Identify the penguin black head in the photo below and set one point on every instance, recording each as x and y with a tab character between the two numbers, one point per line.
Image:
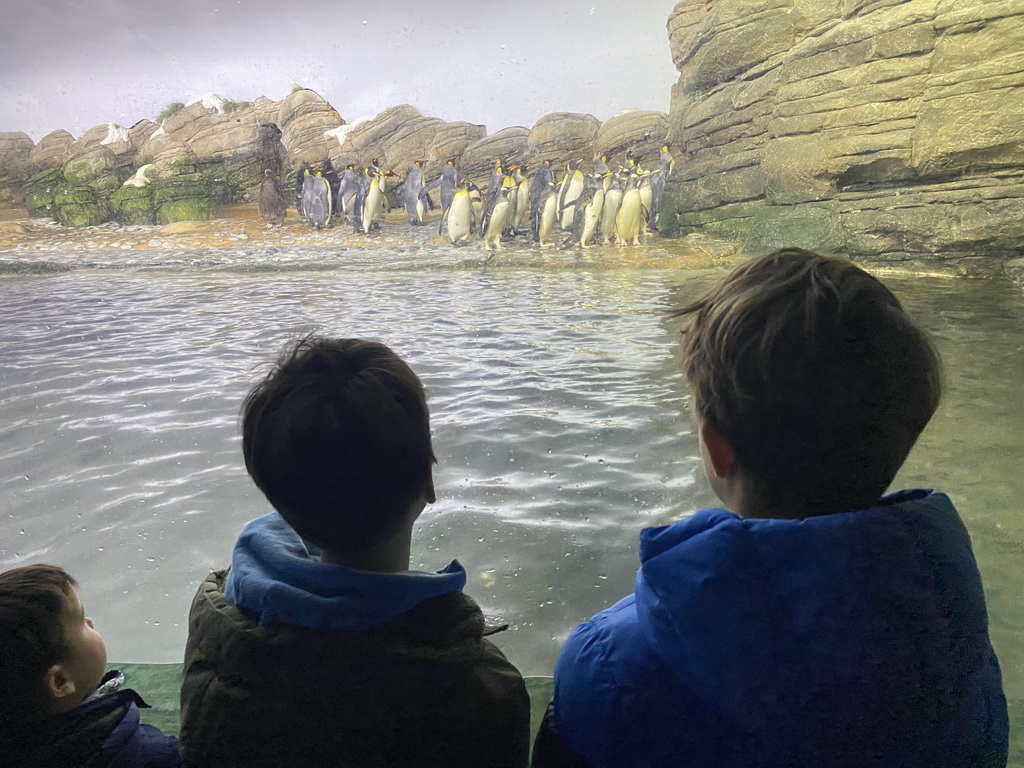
450	162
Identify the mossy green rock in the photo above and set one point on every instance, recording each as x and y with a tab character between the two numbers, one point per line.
134	205
800	226
41	191
80	206
94	163
186	197
185	210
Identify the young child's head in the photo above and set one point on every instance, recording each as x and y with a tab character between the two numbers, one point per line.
813	375
337	437
51	657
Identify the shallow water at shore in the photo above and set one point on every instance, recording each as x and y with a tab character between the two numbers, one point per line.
558	413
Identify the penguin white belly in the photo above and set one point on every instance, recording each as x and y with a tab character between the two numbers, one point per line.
499	217
592	218
627	221
460	219
612	199
547	219
572	192
371	206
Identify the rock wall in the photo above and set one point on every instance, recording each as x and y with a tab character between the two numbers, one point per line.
887	129
214	151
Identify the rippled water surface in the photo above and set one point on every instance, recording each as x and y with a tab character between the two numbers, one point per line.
558	415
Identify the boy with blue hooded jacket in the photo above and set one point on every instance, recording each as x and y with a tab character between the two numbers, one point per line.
319	646
816	621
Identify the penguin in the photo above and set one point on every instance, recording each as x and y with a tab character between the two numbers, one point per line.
459	217
628	219
271	205
572	185
538	188
333	181
601	169
316	200
495	216
412	196
510	183
646	197
522	201
448	181
476	202
587	213
612	199
496	177
592	219
347	190
665	165
372	205
546	213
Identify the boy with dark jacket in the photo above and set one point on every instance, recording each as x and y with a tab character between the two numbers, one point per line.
319	646
815	621
57	707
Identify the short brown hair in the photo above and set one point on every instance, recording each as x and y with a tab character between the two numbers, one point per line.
814	373
337	436
33	600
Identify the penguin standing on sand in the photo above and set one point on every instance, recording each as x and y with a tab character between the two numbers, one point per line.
271	205
459	217
572	186
347	190
316	200
612	200
546	213
538	188
628	220
333	181
412	193
495	217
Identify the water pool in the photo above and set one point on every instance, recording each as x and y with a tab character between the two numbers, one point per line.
559	420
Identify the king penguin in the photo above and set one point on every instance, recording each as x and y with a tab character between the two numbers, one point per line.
459	217
572	186
271	205
412	193
612	199
628	220
495	217
316	200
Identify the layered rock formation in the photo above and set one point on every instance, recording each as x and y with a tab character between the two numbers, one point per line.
215	151
888	129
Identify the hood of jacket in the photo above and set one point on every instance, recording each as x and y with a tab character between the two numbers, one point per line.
276	577
773	617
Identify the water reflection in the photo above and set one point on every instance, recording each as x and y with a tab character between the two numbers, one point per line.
558	413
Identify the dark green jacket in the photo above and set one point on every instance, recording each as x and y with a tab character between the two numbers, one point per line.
425	689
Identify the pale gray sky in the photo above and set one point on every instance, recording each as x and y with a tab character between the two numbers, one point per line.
74	64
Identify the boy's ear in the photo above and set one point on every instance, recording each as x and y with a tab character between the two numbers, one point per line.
58	684
719	452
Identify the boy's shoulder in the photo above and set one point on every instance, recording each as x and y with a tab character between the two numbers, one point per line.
106	725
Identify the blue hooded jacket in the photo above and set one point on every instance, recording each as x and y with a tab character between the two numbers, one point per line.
856	639
276	578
